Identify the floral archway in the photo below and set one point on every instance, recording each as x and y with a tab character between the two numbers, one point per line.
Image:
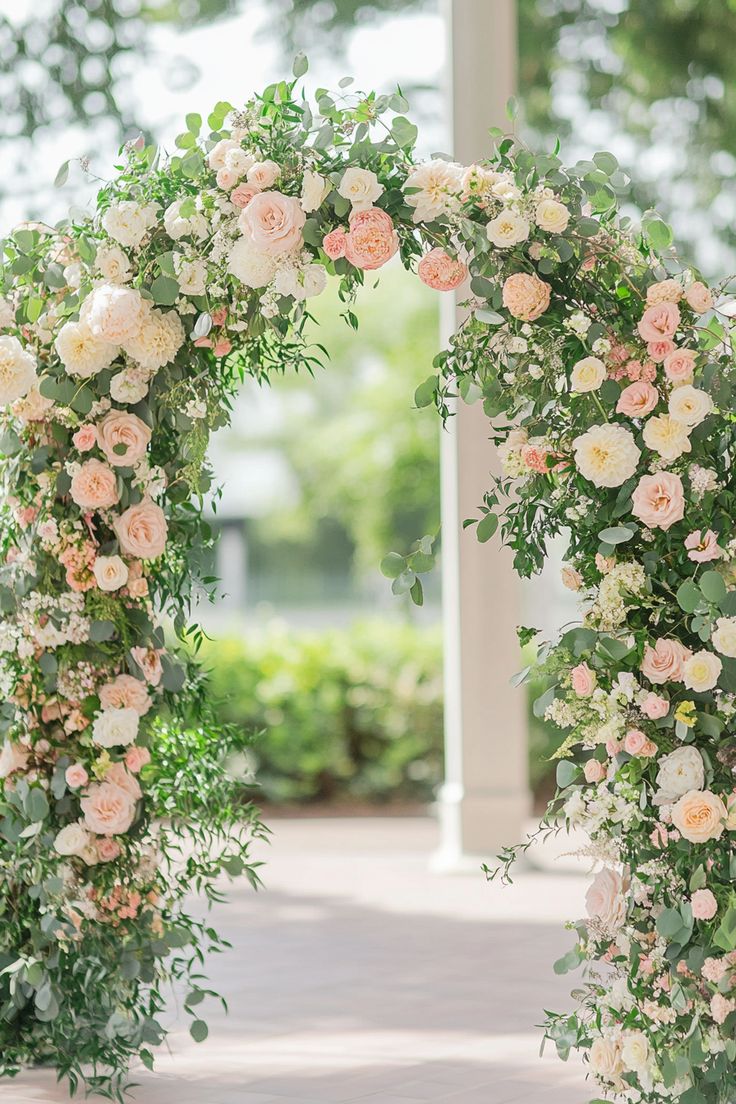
605	370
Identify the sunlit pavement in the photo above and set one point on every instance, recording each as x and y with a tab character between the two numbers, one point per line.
358	975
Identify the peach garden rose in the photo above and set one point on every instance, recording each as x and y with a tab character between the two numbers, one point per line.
142	530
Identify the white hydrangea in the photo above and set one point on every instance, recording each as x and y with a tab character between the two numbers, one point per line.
17	370
249	265
302	283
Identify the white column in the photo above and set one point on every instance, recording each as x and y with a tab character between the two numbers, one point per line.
485	798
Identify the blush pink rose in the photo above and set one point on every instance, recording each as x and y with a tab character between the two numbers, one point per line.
85	438
637	400
76	776
263	174
125	692
583	680
120	776
107	849
660	350
222	347
142	530
679	365
634	741
372	239
136	758
94	486
440	271
123	438
655	707
702	547
334	243
699	297
594	771
525	296
243	194
658	500
273	222
704	904
659	321
226	178
149	661
108	810
664	661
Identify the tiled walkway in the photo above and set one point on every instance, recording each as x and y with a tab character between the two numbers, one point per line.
359	976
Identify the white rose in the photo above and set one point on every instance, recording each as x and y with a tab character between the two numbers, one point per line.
723	637
238	161
605	1059
551	215
507	229
17	370
249	265
128	223
110	572
263	174
690	405
113	264
115	727
7	314
314	190
607	455
216	156
81	353
679	772
71	840
361	187
700	672
666	436
605	900
588	374
635	1051
192	275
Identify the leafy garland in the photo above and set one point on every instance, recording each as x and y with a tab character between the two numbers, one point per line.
606	374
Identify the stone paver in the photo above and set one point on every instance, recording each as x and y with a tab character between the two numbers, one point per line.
360	977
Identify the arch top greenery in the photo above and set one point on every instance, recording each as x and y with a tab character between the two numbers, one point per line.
605	369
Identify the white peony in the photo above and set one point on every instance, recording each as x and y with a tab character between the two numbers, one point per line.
128	223
112	264
679	772
723	637
361	187
551	215
607	455
71	840
315	189
507	229
666	436
114	313
115	727
588	374
249	265
690	405
178	226
158	341
435	188
7	314
81	353
700	672
17	370
110	572
302	283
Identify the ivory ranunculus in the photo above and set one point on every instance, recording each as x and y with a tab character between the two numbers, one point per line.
664	662
699	816
94	486
273	222
71	840
690	405
552	216
667	437
125	692
110	572
607	455
680	771
17	370
605	900
658	500
525	296
115	727
108	810
588	374
361	187
507	229
142	530
723	637
123	437
700	671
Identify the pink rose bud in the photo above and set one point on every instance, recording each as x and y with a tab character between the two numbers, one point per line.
704	904
594	771
334	243
635	741
136	758
583	680
655	707
85	438
76	776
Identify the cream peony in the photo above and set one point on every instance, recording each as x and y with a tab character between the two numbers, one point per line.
699	816
666	436
607	455
433	189
605	900
115	727
108	809
680	771
551	215
251	266
361	187
71	840
123	438
128	223
142	530
17	370
701	671
81	353
114	314
588	374
94	486
507	230
110	572
158	341
690	405
723	637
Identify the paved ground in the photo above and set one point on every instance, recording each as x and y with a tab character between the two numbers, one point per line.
359	976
